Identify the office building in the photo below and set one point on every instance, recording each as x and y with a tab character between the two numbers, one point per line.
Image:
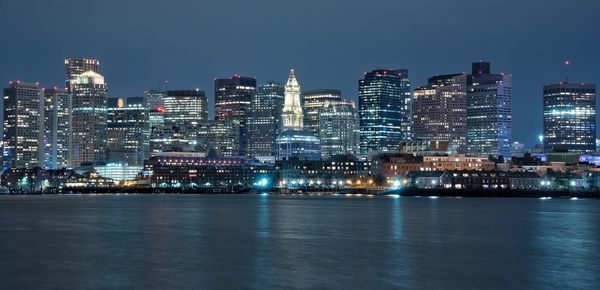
489	116
440	111
23	125
222	138
57	128
184	112
88	121
339	131
233	97
156	118
313	101
385	102
264	120
128	131
76	66
570	117
518	149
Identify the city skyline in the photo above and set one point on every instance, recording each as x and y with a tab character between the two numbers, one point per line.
329	54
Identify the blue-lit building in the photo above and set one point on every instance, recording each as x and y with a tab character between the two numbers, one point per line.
298	143
385	104
294	141
264	119
489	115
339	128
570	117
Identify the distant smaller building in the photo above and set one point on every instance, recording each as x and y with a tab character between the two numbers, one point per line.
89	180
457	162
474	180
338	171
187	171
119	171
387	167
518	149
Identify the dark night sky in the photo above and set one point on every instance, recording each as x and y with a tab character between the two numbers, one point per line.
330	43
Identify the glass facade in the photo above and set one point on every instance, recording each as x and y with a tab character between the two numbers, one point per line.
313	101
385	105
233	97
184	112
299	144
339	128
156	118
570	117
222	138
489	115
264	119
128	131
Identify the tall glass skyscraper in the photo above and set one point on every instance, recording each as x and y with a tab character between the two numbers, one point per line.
128	130
156	118
89	119
385	104
232	101
313	101
264	119
184	112
57	128
23	125
440	111
489	115
570	117
339	128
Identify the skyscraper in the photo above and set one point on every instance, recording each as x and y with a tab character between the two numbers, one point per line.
489	123
88	121
440	111
264	119
23	125
128	131
184	112
313	101
294	141
76	66
570	117
219	138
339	131
57	128
384	101
156	118
233	97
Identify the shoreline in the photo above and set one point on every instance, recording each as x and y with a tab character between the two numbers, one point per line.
405	192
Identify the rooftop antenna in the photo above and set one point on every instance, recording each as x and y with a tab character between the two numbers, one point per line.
567	63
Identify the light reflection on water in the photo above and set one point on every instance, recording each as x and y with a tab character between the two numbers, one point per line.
261	242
